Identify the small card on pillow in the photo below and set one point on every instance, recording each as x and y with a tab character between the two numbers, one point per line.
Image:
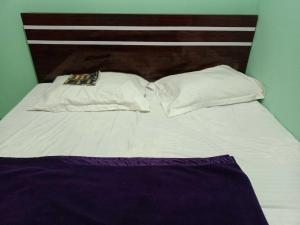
88	79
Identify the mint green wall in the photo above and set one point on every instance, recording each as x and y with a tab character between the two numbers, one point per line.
275	59
16	70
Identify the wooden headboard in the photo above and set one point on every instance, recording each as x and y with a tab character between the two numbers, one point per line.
152	46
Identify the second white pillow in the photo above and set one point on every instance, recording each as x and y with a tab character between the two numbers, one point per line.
220	85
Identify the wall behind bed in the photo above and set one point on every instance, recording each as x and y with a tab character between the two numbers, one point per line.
16	69
275	59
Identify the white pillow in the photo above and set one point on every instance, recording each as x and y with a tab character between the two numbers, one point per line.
220	85
113	91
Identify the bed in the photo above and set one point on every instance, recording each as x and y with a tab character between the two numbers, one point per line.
265	151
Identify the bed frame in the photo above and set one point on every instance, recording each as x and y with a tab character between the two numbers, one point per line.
152	46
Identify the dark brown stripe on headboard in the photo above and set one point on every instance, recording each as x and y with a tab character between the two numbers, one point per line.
77	43
98	35
139	20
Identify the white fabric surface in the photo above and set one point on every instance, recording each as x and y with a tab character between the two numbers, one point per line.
215	86
113	91
267	152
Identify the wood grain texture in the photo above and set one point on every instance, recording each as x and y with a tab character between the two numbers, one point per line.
151	62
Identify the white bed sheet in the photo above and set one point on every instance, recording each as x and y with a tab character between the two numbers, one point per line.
266	151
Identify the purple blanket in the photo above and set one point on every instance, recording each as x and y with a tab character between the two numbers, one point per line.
126	191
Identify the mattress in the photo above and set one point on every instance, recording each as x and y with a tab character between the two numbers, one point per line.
266	151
